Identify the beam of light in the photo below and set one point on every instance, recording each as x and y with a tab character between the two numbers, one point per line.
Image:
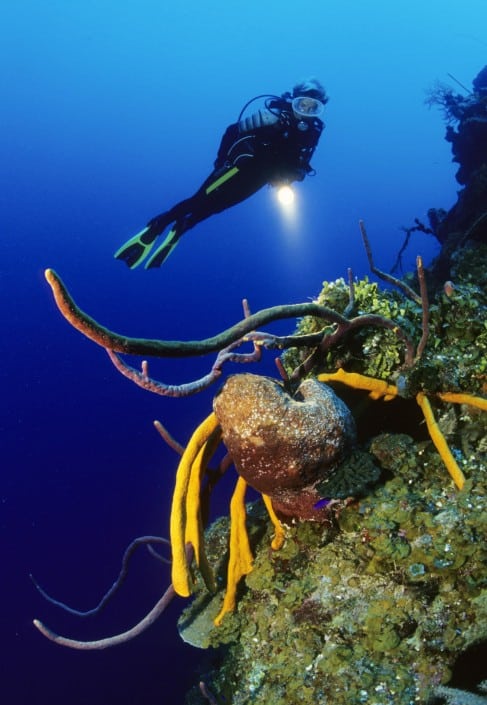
288	206
285	196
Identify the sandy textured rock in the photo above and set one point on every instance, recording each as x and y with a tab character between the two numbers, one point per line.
282	445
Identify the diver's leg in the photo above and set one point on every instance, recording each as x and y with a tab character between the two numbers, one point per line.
222	190
217	194
182	209
135	250
204	203
159	223
226	191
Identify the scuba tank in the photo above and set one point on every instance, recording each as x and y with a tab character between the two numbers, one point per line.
262	118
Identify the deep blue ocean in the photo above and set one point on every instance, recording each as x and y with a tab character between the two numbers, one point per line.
110	113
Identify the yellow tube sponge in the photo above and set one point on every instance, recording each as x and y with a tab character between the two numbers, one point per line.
279	536
440	442
377	388
469	399
240	559
194	525
181	577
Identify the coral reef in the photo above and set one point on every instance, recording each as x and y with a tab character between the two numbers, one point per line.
385	559
377	607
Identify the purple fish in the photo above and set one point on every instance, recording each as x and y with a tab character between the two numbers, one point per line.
322	503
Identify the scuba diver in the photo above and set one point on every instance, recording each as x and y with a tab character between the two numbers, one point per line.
272	146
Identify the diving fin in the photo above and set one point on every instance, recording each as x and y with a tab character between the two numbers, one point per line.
164	250
138	247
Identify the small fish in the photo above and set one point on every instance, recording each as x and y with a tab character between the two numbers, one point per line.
322	503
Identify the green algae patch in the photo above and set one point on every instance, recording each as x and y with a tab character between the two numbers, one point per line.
455	357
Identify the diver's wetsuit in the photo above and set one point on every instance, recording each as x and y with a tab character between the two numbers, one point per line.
252	153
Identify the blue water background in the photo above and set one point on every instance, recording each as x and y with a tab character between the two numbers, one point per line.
111	112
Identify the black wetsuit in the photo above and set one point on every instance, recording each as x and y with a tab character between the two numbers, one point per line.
269	154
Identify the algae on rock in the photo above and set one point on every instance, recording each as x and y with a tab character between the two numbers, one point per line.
376	606
372	610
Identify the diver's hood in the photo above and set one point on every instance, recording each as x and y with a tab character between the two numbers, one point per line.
305	107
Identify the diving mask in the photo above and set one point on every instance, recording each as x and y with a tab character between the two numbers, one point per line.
305	107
